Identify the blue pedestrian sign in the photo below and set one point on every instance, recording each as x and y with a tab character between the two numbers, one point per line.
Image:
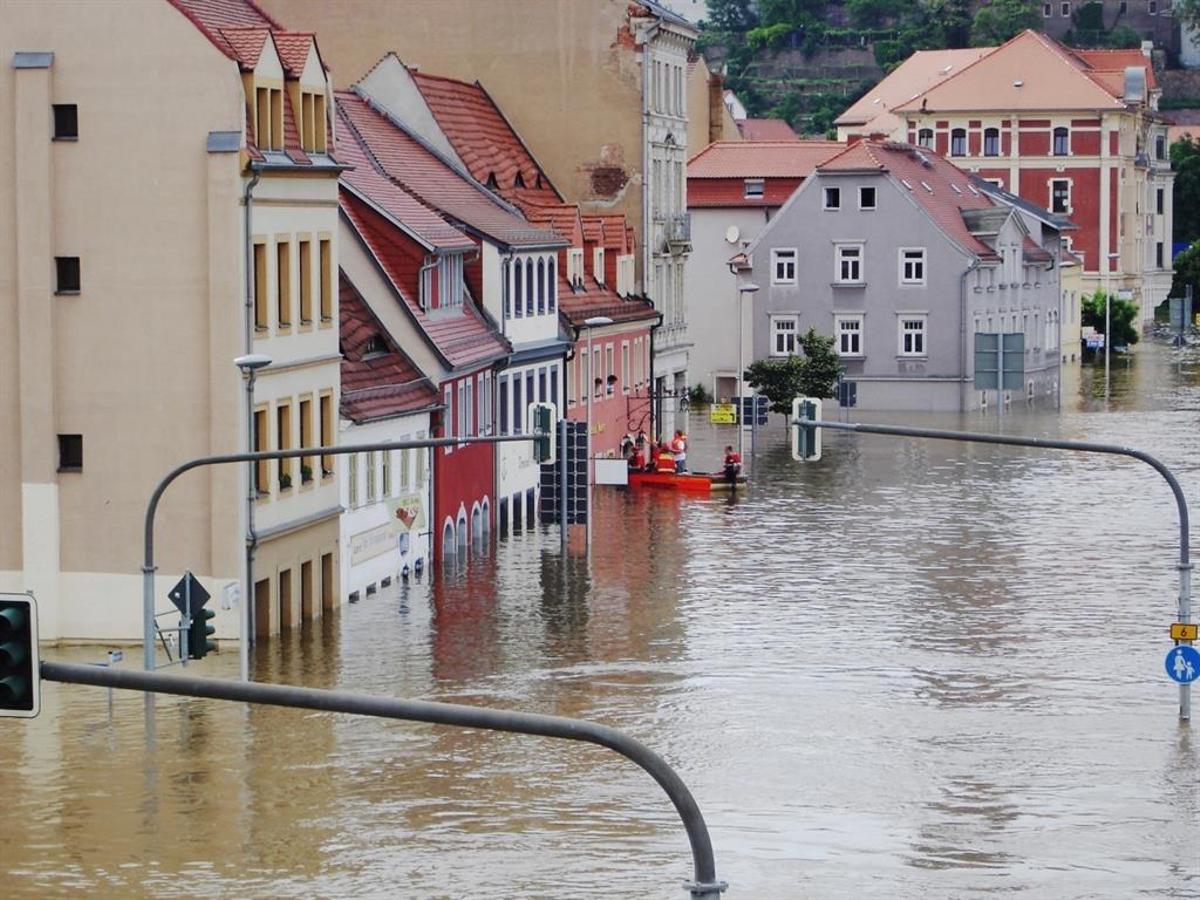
1183	664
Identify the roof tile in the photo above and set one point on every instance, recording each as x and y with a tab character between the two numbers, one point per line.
761	159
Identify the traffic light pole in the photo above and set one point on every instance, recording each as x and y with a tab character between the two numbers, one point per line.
148	567
1184	566
705	885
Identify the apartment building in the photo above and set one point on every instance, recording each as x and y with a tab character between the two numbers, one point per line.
1074	131
902	258
138	275
598	89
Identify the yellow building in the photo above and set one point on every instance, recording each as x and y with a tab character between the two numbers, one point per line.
132	132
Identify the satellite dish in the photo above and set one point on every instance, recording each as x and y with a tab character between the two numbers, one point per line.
732	234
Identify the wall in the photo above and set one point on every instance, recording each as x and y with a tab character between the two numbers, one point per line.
626	409
463	476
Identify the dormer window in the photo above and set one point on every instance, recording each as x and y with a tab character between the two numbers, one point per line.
754	188
519	181
268	126
598	264
375	346
575	266
491	183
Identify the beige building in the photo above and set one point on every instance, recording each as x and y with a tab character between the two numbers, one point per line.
598	90
132	131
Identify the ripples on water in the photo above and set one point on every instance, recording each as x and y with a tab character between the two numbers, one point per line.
914	669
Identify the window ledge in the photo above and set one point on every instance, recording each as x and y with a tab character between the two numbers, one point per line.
261	329
909	357
65	139
70	468
912	284
67	293
849	284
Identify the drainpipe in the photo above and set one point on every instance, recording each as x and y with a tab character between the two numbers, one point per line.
423	301
962	334
655	401
251	498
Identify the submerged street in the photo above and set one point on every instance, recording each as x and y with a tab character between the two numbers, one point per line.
911	669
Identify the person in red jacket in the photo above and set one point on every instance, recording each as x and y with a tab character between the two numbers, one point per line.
732	464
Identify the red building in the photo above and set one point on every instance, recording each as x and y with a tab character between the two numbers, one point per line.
408	264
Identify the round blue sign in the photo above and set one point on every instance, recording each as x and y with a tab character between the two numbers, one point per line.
1183	664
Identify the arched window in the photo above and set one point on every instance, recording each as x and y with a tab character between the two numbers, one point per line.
506	289
991	142
517	270
529	287
958	142
461	546
925	137
476	526
448	545
1060	141
541	286
552	285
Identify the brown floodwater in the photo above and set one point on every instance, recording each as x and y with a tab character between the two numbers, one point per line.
914	669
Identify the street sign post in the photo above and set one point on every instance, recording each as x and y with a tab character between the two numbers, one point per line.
1183	664
1184	631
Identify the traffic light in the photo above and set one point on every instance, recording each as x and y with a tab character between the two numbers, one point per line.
542	418
198	643
806	439
20	680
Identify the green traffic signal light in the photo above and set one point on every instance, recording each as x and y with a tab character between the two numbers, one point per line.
19	678
199	644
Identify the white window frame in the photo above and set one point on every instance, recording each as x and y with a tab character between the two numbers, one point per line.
840	319
793	332
874	203
1050	182
776	254
755	189
902	320
839	250
825	192
904	261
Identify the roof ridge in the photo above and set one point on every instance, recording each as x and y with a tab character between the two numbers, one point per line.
525	146
988	51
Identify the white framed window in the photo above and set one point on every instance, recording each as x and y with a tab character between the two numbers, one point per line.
448	417
848	330
783	335
754	188
848	260
925	138
1060	195
912	334
783	266
912	265
866	198
958	142
833	198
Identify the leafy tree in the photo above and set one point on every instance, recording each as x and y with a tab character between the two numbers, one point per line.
781	379
793	12
1187	272
1187	13
874	13
731	15
1185	160
1000	20
1123	314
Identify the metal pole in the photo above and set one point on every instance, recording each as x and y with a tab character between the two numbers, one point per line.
705	886
1185	565
563	525
148	566
1107	335
741	388
246	612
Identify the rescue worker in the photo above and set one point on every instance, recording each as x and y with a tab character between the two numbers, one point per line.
732	463
666	460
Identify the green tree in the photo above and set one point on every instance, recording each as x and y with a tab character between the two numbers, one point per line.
1185	160
731	15
782	379
1187	272
1000	20
1123	314
874	13
1186	13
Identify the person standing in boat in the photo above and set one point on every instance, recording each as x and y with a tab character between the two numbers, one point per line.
679	449
732	463
666	460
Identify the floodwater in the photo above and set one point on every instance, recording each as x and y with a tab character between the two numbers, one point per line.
914	669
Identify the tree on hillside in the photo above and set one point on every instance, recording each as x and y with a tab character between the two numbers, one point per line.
731	15
1123	315
1185	160
874	13
999	20
790	12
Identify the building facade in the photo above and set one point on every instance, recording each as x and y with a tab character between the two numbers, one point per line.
611	87
734	189
1075	131
902	259
103	274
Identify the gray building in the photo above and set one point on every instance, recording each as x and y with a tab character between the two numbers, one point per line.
903	258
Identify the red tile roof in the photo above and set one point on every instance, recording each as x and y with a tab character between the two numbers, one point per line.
938	186
293	47
247	43
594	299
463	339
761	159
766	130
379	384
411	164
406	211
480	135
212	16
562	218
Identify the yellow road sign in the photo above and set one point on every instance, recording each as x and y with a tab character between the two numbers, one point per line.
722	414
1184	631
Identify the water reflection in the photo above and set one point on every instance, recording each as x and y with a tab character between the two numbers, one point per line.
916	668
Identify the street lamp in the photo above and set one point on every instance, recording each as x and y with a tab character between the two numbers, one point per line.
743	290
249	364
1108	317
